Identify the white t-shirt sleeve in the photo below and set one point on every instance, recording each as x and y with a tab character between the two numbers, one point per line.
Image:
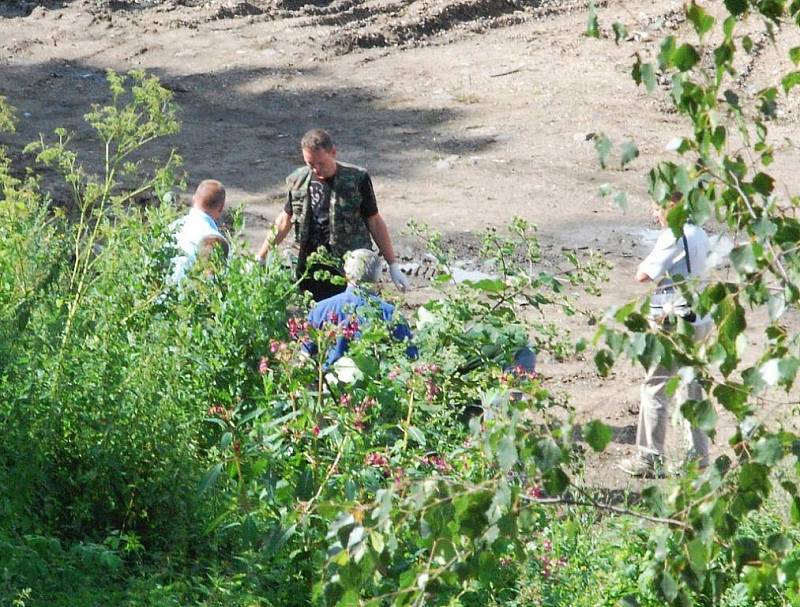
663	256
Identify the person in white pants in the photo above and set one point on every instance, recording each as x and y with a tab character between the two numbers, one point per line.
197	234
671	257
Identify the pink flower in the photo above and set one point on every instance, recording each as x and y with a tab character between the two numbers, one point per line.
275	346
350	329
436	461
431	390
315	431
263	366
376	460
394	374
535	492
345	400
296	327
399	476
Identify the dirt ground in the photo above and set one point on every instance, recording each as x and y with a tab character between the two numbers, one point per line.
465	112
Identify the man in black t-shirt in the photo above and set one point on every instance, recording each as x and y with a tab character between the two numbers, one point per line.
350	222
319	191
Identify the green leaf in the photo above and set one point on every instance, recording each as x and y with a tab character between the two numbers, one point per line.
795	510
597	434
668	586
636	322
636	70
794	54
743	259
621	200
754	477
787	371
763	184
702	21
685	57
507	453
747	44
698	556
547	454
745	550
648	76
629	152
768	451
705	416
666	50
736	7
304	488
603	146
779	543
789	81
376	540
620	31
733	397
732	99
727	27
592	26
555	481
417	434
718	137
349	599
603	360
764	228
489	285
209	477
655	500
676	219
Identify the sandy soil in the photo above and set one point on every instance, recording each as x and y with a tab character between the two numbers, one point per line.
466	112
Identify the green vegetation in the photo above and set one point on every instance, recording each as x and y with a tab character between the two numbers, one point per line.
169	446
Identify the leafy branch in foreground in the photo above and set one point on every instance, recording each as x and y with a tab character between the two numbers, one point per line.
136	116
721	174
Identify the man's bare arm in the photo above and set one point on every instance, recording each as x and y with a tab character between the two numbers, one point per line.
380	234
275	236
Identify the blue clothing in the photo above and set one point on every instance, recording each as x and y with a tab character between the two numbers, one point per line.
341	308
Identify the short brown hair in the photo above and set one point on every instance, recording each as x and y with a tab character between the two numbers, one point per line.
317	139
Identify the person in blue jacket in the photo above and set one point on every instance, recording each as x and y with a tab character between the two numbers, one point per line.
347	309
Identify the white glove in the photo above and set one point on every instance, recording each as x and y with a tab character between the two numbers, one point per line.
262	261
398	278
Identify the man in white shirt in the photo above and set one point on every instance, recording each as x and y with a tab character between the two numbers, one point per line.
197	234
671	258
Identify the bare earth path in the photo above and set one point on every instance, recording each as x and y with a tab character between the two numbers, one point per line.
466	112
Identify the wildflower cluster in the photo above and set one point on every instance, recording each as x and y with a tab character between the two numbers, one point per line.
220	412
550	564
361	411
297	327
535	492
436	461
279	352
518	375
350	329
376	460
428	372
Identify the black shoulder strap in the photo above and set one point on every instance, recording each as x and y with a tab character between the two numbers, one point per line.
686	250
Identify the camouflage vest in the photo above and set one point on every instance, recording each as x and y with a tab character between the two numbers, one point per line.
348	229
